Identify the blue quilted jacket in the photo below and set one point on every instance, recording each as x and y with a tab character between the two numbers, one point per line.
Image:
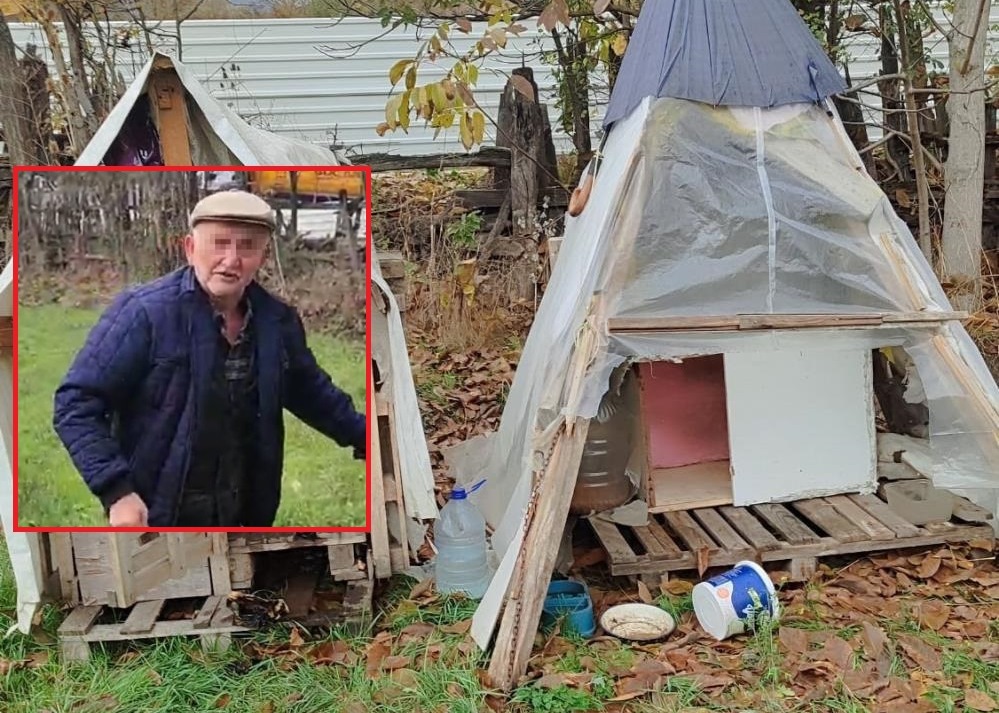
127	410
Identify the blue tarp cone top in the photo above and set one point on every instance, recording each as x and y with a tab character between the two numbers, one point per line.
722	52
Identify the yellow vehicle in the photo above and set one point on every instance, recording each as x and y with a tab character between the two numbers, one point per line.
310	183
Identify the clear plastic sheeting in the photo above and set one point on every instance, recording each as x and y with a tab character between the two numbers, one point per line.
754	211
718	211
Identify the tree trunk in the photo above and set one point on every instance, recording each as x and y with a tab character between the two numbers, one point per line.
912	120
965	168
898	153
15	111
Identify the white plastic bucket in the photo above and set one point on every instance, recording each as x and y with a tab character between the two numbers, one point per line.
724	604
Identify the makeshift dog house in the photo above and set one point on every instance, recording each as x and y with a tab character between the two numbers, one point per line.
144	572
728	284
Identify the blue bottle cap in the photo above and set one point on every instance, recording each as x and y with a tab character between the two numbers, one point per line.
459	493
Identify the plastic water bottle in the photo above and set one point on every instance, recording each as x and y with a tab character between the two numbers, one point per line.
460	538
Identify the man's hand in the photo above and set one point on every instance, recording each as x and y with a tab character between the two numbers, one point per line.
129	511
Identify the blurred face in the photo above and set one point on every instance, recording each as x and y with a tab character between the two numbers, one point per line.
226	256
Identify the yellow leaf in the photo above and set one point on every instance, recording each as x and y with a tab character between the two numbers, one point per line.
463	25
382	128
395	74
478	127
447	119
465	132
619	44
448	86
392	110
411	78
443	30
473	74
404	112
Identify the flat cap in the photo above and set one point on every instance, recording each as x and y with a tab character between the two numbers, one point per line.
233	207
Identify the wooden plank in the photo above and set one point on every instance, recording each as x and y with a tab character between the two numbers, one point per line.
886	516
80	620
340	557
720	530
143	617
388	488
829	519
612	540
777	321
687	487
218	564
167	95
653	547
278	543
492	198
6	332
487	156
860	517
379	524
689	531
536	557
657	531
61	551
968	511
162	629
780	518
203	619
750	528
398	507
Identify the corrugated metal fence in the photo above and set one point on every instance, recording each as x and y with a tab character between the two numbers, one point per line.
327	81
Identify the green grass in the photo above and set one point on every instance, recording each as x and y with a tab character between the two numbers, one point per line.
323	485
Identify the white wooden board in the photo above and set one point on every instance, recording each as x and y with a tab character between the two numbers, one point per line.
801	423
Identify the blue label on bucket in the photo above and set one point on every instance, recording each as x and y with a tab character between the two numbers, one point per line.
741	584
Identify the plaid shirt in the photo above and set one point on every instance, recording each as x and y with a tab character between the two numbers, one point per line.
216	487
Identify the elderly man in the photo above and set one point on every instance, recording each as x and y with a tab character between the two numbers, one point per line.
172	410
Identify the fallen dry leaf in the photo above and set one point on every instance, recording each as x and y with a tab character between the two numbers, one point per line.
421	588
390	663
929	566
376	652
932	614
415	632
223	700
295	640
405	677
643	593
703	557
922	654
459	627
794	640
677	587
838	652
874	639
979	700
267	707
588	558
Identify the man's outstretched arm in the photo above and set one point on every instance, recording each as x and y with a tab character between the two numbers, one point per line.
313	397
107	369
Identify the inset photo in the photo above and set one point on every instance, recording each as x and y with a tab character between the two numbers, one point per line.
191	348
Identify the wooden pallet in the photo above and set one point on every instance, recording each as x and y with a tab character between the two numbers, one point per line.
212	623
346	561
799	533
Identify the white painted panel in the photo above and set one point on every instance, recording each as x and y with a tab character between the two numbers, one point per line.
801	423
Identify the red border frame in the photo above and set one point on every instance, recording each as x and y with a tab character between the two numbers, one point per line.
368	371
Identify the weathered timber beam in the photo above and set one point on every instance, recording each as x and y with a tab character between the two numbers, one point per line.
777	321
484	158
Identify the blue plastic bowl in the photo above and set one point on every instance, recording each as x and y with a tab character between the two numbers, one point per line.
571	600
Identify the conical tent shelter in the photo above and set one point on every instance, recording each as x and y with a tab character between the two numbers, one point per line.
731	223
167	117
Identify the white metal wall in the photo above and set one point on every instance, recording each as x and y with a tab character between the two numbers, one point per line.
327	81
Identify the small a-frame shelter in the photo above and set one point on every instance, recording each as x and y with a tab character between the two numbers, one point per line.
730	220
168	118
